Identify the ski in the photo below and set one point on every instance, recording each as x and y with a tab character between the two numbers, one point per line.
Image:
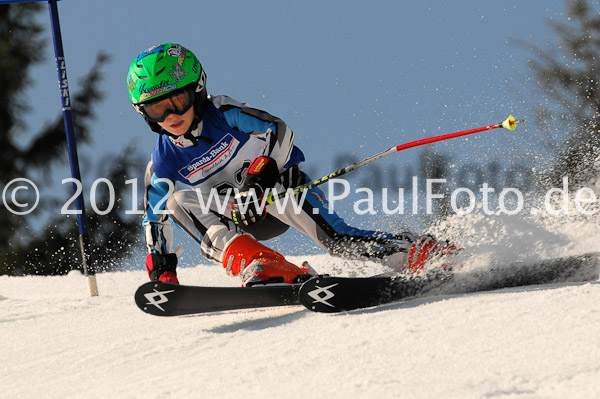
336	294
165	299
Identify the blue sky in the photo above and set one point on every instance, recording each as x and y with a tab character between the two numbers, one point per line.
349	77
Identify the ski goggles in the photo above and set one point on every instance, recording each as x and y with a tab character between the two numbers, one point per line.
178	103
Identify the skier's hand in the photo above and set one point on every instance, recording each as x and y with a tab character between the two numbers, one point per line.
249	206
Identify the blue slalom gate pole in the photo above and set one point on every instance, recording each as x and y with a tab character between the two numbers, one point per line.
63	85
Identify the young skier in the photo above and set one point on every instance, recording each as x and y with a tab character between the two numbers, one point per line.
214	145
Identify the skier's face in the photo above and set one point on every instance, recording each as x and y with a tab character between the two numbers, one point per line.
178	124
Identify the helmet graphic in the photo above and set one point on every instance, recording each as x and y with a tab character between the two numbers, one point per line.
164	70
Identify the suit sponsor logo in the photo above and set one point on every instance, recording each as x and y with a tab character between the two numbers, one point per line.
217	156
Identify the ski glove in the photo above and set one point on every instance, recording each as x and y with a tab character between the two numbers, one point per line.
249	207
161	267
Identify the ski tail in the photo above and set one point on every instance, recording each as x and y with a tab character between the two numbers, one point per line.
336	294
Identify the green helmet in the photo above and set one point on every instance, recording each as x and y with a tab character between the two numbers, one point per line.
161	70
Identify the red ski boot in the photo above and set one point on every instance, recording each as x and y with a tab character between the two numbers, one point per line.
162	267
258	264
426	250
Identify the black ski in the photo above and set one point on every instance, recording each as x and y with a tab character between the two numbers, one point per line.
337	294
164	299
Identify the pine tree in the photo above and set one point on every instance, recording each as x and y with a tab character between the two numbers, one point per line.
569	74
54	248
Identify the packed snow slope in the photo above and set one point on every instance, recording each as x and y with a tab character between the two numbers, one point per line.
533	342
529	342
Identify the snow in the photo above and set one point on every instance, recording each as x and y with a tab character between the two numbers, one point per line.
528	342
533	342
